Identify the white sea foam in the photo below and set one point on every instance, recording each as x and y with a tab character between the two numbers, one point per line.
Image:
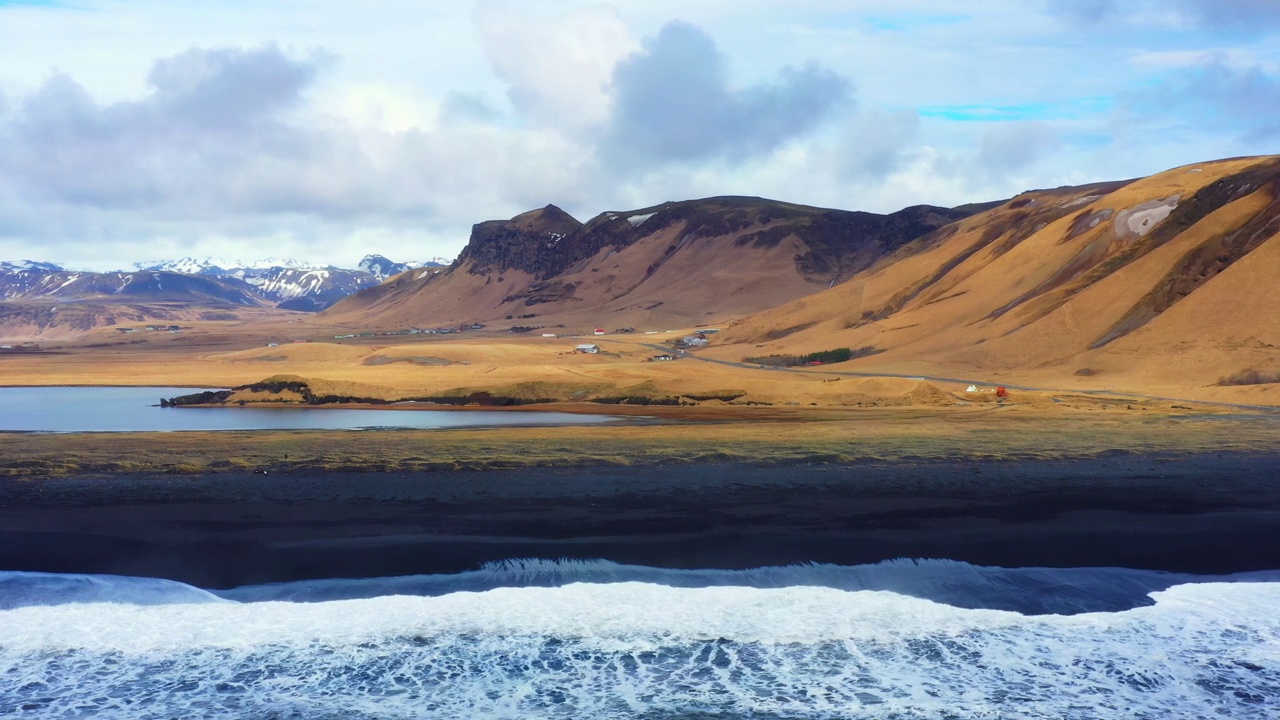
21	589
1026	590
624	650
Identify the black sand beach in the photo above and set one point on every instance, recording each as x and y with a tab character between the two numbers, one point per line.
1205	513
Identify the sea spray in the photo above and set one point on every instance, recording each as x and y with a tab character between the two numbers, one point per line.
630	649
1024	590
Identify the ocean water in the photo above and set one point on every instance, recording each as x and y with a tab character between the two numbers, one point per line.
560	639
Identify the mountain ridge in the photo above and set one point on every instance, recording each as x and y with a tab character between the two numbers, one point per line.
621	264
1145	282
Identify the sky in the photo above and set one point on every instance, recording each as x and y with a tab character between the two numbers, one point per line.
139	130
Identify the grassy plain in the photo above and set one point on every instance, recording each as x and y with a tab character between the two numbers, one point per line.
773	416
677	435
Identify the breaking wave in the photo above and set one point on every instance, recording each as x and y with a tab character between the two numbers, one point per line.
539	639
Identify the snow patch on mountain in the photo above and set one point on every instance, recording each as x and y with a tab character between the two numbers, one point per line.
288	283
18	266
219	267
382	268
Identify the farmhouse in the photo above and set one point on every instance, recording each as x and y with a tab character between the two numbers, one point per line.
588	348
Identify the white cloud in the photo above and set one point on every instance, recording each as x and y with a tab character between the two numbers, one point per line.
557	67
322	128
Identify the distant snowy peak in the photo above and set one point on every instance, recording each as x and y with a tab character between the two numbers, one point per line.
383	268
220	267
287	263
28	266
187	266
285	283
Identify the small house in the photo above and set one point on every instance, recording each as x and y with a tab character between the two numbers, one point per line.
599	331
698	340
588	348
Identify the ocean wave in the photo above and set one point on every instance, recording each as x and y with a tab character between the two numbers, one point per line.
1031	591
23	589
631	649
960	584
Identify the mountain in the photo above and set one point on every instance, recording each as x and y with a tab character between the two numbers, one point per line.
287	284
144	286
23	276
219	267
1163	282
382	268
27	266
673	264
41	301
291	284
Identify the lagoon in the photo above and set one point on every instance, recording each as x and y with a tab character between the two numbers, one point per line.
136	409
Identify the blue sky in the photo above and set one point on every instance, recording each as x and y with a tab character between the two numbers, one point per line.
324	130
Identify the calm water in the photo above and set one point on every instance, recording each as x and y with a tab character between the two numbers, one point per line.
136	409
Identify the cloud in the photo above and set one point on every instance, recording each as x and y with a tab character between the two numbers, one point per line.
877	144
1213	97
211	115
1252	16
1010	147
225	150
556	68
673	103
1233	14
227	87
467	107
1084	11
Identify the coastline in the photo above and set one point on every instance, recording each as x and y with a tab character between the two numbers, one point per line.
694	487
1209	513
650	435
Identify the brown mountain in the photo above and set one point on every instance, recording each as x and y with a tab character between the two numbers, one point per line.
674	264
1165	283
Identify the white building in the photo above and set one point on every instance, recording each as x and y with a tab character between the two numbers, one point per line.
588	348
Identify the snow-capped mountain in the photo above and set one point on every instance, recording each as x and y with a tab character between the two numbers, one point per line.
144	286
288	284
27	266
220	267
23	276
382	268
304	289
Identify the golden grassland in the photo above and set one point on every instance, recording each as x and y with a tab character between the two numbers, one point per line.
773	416
526	368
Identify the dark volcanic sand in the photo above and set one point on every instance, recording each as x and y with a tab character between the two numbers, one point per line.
1199	513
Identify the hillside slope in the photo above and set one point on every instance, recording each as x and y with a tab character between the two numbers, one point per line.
1167	283
674	264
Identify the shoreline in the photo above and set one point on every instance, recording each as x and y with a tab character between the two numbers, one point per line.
1207	513
647	436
